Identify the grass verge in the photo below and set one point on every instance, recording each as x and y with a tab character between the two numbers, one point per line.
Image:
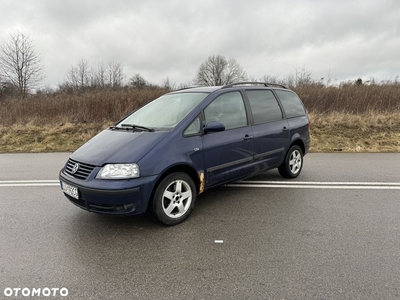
47	138
330	132
368	132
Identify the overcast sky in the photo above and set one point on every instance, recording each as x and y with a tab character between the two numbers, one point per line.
341	40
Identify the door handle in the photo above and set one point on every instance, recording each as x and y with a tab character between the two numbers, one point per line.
247	137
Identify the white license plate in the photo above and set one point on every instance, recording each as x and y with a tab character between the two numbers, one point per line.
70	190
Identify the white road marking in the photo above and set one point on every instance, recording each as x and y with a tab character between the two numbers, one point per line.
320	183
249	184
317	185
16	183
343	187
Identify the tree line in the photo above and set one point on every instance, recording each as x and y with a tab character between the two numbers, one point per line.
22	71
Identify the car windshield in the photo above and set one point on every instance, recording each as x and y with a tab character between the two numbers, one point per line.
165	112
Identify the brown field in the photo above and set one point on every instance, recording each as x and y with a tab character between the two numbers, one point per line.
348	118
344	132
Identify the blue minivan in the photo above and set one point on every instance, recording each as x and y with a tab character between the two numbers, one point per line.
160	157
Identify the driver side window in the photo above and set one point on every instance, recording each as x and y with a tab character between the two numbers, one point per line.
227	109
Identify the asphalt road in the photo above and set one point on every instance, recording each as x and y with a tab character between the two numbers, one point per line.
332	233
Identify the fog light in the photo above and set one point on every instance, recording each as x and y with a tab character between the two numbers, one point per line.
129	207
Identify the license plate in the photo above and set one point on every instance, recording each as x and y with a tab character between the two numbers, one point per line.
70	190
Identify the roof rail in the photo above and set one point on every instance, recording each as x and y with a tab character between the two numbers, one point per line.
254	83
184	88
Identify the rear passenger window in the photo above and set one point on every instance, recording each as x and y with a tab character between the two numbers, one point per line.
264	106
291	104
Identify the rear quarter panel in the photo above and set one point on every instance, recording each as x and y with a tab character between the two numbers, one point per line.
299	130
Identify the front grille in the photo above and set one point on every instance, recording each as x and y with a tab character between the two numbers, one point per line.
83	171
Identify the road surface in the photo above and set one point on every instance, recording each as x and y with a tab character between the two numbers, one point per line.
332	233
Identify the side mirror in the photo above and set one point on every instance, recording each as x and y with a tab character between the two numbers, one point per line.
214	127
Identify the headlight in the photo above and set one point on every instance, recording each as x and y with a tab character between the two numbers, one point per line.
119	171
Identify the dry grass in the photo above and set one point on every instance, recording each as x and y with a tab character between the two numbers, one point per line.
350	98
329	133
91	106
49	138
369	132
348	118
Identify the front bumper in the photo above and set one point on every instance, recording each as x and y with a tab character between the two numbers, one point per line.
116	197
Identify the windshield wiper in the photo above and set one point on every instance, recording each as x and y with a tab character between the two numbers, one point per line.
133	126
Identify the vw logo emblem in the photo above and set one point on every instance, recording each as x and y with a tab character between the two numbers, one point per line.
75	168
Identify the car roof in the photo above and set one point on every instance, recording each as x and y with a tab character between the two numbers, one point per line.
210	89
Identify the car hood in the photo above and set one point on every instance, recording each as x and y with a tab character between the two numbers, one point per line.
112	146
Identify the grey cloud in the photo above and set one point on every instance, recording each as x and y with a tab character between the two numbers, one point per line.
171	38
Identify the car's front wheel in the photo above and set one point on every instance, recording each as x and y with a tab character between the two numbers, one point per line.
174	199
293	163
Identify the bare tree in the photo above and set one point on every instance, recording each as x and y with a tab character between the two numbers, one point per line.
115	75
303	76
20	65
101	76
80	76
217	70
167	84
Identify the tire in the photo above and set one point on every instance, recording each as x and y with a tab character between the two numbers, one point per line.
174	199
293	163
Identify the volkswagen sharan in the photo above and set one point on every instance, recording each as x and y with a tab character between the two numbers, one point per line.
160	157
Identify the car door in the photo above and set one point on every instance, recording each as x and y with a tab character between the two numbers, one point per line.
270	129
228	154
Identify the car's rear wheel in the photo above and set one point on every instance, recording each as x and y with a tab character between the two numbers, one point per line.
174	199
293	163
